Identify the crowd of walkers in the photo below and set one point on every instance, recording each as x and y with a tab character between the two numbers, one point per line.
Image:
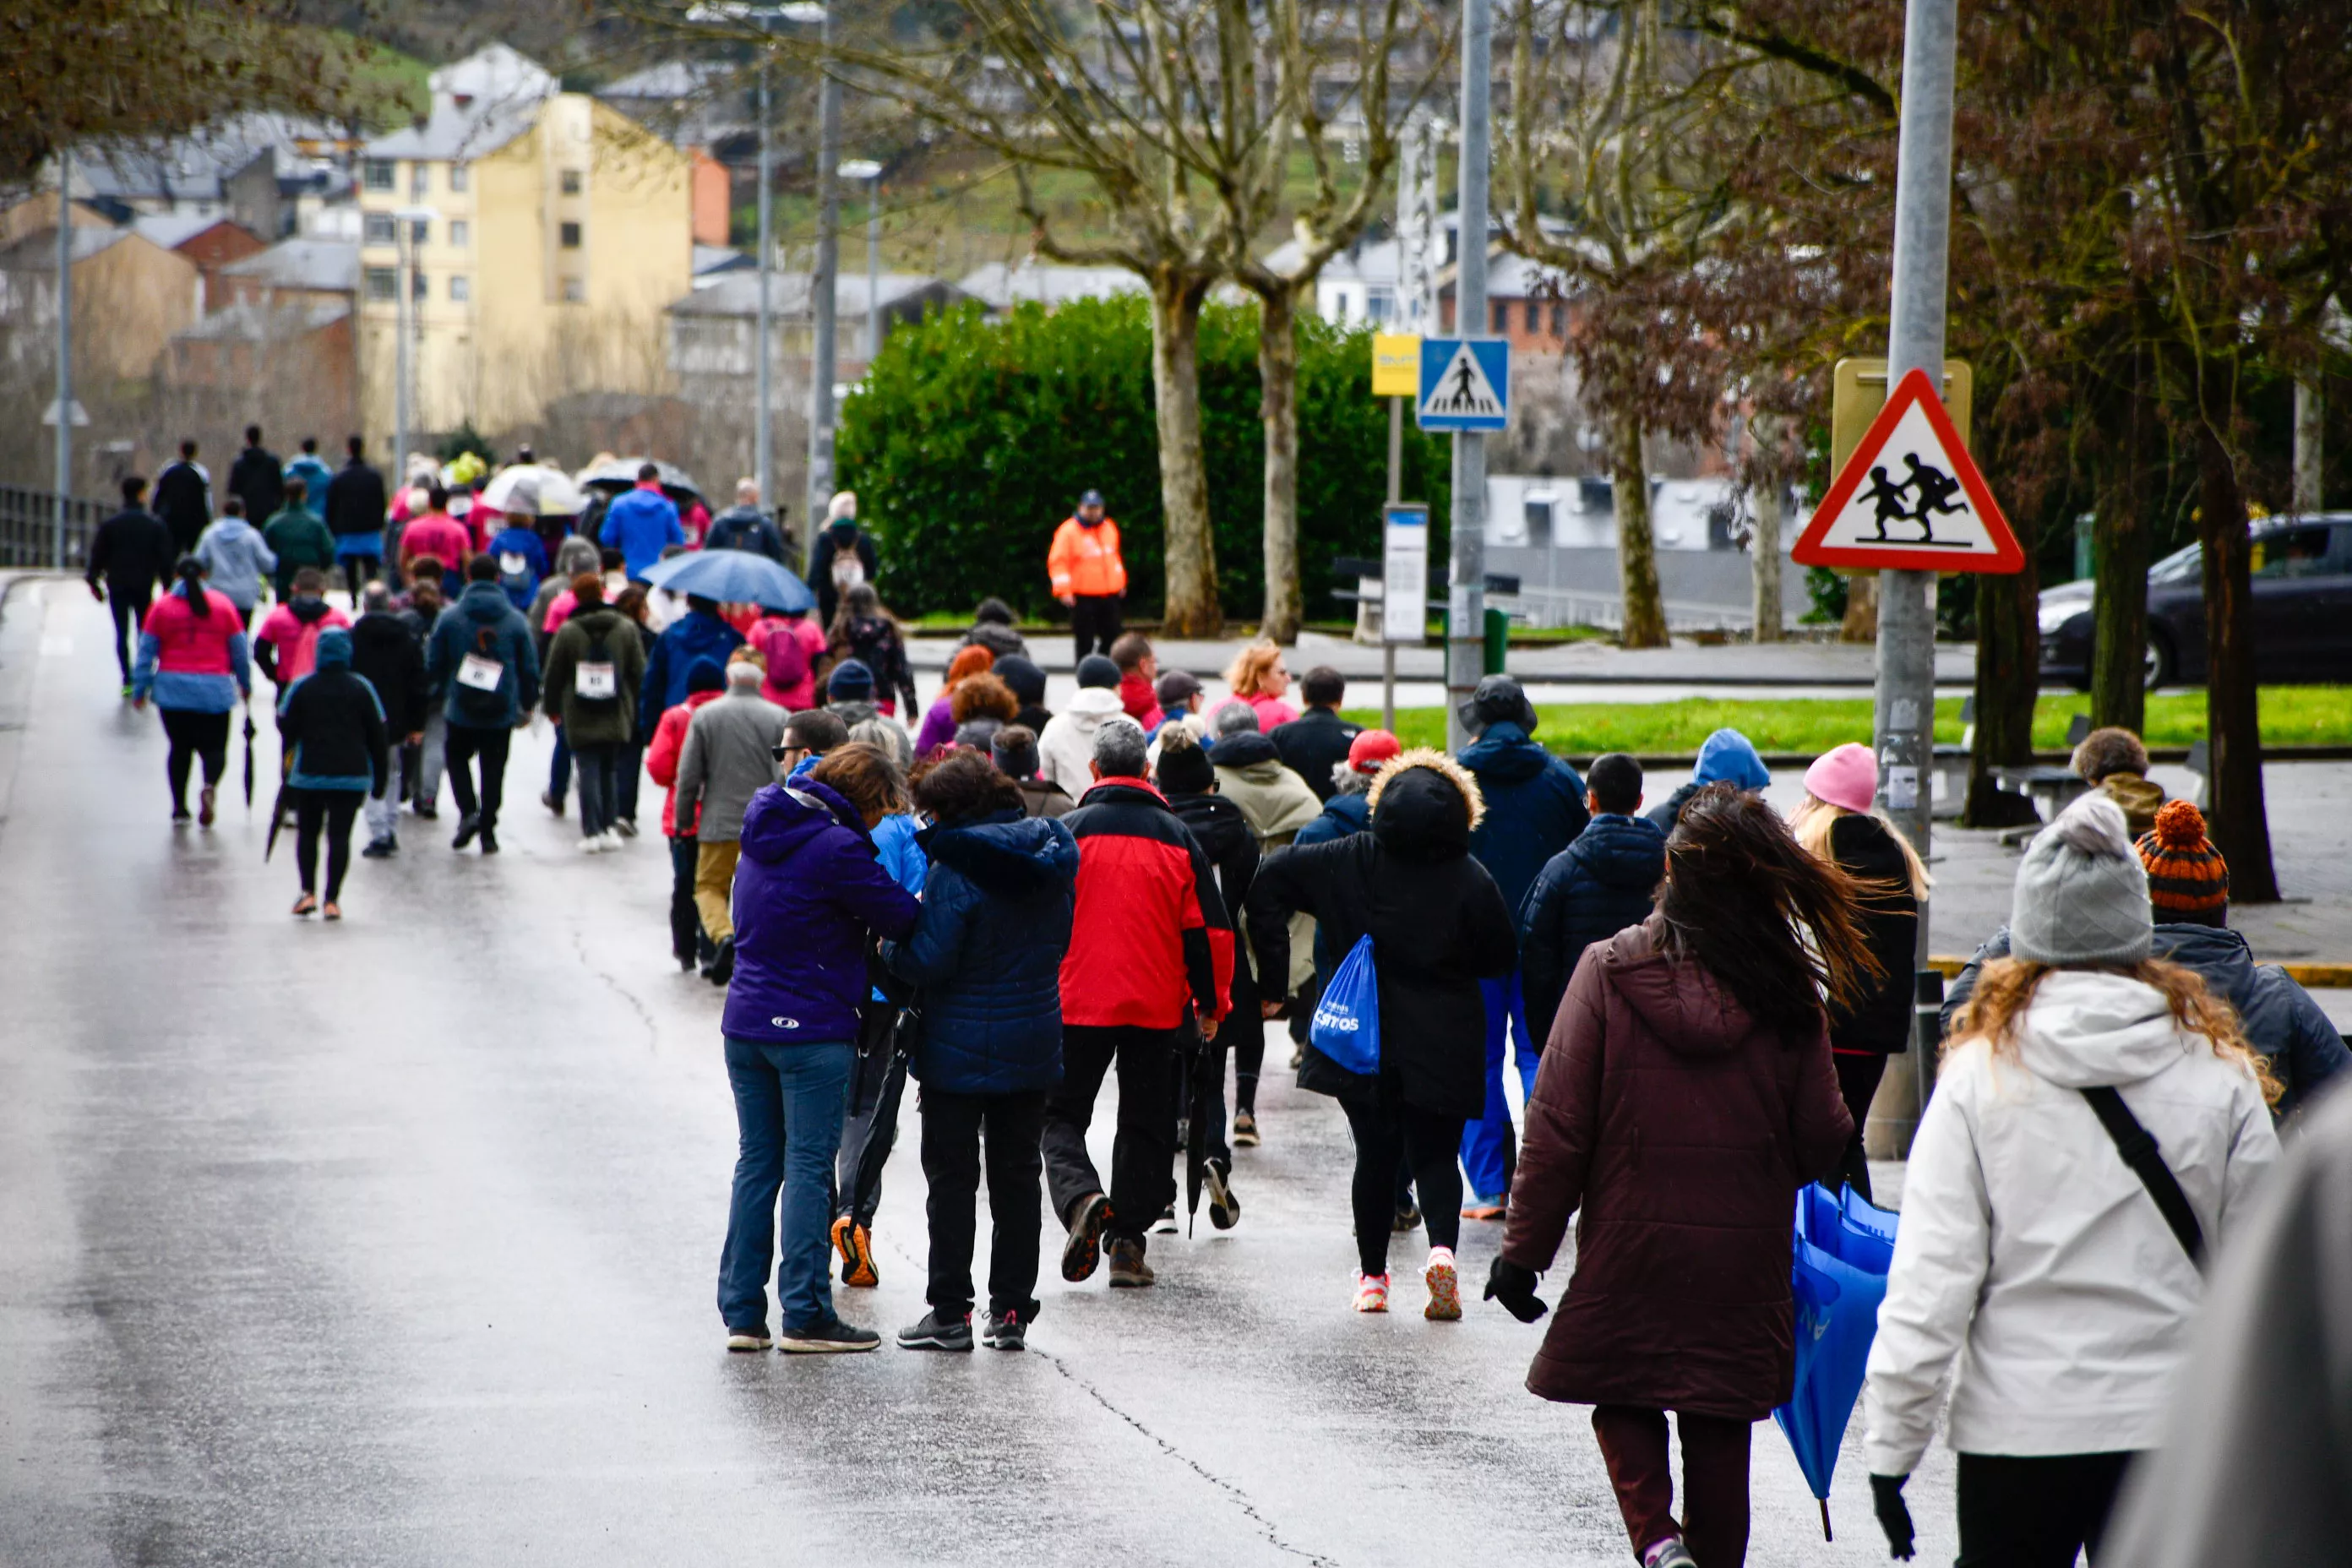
1011	905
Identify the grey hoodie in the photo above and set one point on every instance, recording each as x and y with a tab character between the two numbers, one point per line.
235	560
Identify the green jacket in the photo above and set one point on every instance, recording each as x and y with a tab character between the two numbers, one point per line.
594	721
298	539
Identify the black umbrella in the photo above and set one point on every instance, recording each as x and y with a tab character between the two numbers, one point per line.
248	754
276	821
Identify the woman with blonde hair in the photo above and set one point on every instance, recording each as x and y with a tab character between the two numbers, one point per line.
2098	1120
1259	678
1835	822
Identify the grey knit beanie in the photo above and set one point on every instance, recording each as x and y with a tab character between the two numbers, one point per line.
2082	893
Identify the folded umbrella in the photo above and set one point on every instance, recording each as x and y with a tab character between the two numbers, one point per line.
248	754
276	821
1198	1099
732	577
1844	1248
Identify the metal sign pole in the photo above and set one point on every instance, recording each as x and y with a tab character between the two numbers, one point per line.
1467	601
1387	605
763	336
65	349
820	294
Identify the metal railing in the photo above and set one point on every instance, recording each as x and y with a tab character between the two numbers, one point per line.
1542	606
28	528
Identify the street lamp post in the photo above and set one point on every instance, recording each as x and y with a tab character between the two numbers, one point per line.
822	302
869	171
408	222
1465	628
65	348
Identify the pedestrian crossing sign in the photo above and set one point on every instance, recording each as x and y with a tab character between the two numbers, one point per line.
1465	384
1910	497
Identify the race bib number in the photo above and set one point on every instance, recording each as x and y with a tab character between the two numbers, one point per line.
480	674
595	681
512	564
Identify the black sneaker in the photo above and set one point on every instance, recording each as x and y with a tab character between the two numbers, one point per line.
626	827
1408	1219
379	849
428	812
1225	1209
489	840
547	799
752	1338
468	826
938	1332
1009	1332
830	1337
1084	1249
1245	1130
1166	1224
722	964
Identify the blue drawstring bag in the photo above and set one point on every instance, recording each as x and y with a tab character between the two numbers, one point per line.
1347	1024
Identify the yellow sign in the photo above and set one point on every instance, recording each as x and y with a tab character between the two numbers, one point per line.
1859	391
1396	364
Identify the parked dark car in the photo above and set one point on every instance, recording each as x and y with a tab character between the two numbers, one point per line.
2303	610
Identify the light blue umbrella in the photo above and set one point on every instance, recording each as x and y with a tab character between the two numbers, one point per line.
732	577
1844	1248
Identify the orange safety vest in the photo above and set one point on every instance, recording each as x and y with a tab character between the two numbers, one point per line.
1086	560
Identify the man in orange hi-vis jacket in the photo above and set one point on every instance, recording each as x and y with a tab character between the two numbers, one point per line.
1088	574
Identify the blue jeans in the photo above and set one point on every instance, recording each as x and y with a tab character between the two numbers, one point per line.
788	1108
1485	1143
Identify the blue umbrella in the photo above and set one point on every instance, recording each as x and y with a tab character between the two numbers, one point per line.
1844	1248
732	577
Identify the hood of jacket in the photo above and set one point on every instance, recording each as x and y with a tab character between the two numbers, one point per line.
1091	706
1728	756
574	556
739	517
310	610
1504	755
1245	749
2085	1027
598	623
334	650
2217	953
1009	854
1423	805
485	603
783	818
1691	1012
1352	812
380	629
237	528
1622	852
1863	845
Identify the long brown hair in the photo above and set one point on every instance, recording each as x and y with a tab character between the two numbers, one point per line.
1774	923
2005	989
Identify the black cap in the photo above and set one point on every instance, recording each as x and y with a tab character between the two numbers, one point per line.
1092	497
1499	700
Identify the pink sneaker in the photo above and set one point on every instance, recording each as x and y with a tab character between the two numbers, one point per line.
1444	1287
1372	1293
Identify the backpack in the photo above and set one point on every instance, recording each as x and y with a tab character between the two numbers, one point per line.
595	684
1347	1026
478	686
788	660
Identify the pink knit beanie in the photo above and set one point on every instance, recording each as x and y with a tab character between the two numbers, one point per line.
1847	777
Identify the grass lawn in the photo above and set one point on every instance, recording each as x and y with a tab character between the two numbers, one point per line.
2292	716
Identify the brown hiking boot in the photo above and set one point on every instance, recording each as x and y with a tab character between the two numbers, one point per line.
1082	1251
1128	1270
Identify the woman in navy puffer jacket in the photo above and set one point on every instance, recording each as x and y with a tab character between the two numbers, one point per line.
987	955
808	892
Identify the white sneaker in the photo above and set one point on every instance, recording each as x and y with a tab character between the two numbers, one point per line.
1444	1287
610	839
592	846
1372	1293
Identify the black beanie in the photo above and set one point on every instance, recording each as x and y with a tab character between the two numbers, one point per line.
1184	768
1096	671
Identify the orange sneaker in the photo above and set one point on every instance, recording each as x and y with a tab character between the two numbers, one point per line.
1372	1293
856	1248
1444	1287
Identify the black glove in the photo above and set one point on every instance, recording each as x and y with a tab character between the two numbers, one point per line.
1893	1513
1515	1287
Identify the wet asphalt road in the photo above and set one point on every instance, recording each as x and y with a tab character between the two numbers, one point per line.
394	1243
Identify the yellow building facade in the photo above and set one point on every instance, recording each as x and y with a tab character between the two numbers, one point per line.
547	235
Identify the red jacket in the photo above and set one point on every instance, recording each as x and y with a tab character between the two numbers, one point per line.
1135	695
662	754
1150	937
1677	1130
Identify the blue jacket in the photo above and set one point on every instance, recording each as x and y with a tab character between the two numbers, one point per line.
898	844
482	622
517	540
694	634
640	524
1342	815
1588	892
312	470
2279	1016
988	954
1534	808
807	892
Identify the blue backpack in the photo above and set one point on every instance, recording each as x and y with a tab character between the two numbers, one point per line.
1347	1024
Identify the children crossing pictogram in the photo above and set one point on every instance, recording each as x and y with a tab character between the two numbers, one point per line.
1910	497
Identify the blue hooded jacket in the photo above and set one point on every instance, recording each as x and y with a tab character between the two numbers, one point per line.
1724	757
807	891
696	635
484	624
1588	892
988	953
1534	808
640	523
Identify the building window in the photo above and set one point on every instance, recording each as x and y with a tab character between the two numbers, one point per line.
571	181
1560	320
420	179
574	290
461	288
418	289
383	284
419	231
377	228
457	179
1502	315
460	234
376	174
568	235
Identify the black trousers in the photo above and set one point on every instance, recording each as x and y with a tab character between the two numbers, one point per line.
466	742
1141	1185
687	943
866	1140
1857	1073
957	1129
129	613
333	809
1093	622
2019	1512
192	736
1386	1136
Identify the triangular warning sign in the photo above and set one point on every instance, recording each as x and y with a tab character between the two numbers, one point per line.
1910	497
1462	390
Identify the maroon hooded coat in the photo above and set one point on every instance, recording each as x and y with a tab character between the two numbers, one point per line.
1677	1129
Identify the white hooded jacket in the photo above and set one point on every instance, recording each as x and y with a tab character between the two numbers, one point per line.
2031	1264
1065	751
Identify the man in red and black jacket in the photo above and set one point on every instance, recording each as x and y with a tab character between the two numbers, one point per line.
1152	950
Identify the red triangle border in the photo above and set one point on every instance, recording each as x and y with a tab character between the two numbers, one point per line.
1915	387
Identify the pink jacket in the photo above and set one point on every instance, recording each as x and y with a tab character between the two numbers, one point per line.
190	644
1271	711
296	640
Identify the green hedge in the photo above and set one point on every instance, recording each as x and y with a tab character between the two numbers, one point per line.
970	440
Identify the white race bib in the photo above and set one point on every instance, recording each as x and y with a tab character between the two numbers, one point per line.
595	681
479	673
512	564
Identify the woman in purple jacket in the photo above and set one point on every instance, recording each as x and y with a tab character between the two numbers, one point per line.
809	894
